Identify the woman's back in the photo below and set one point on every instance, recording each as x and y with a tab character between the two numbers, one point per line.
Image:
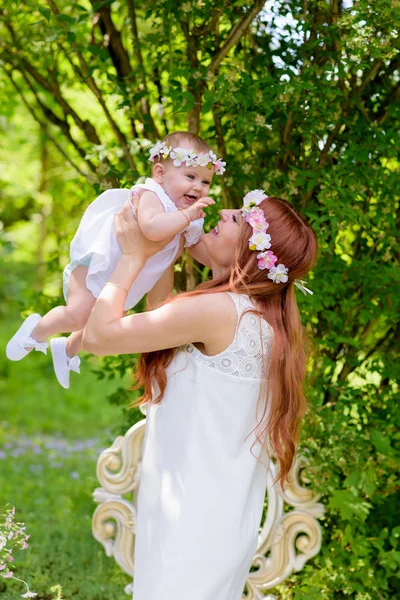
202	487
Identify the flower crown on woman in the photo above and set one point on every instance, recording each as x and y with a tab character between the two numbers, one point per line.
261	240
189	157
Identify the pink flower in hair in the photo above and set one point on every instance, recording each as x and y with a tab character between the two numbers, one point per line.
266	260
219	166
257	220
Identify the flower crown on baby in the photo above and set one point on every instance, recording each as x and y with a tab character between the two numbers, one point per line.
261	240
189	157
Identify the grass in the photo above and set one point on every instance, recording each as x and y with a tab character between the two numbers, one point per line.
50	439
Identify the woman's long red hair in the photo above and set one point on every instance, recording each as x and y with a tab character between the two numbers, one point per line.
294	243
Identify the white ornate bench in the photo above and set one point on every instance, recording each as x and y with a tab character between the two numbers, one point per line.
287	539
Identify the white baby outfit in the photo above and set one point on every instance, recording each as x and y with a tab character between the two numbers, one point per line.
95	243
202	490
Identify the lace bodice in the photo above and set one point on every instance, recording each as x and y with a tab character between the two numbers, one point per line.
248	354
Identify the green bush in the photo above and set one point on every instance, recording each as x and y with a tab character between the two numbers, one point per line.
301	99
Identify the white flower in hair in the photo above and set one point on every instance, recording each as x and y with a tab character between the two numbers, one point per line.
260	241
159	149
191	159
203	159
278	274
179	155
253	198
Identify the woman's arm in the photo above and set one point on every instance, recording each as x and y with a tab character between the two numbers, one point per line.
199	253
204	318
158	225
162	289
182	321
165	285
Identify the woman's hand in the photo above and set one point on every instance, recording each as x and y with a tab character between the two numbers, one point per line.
129	235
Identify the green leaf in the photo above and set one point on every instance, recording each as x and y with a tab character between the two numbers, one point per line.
381	442
209	99
66	19
348	505
45	12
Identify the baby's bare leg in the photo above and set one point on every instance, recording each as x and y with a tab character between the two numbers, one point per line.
73	316
74	343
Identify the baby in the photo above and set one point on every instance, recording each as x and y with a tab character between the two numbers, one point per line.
171	205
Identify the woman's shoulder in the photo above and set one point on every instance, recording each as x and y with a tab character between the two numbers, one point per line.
214	311
246	308
229	320
212	302
217	301
220	308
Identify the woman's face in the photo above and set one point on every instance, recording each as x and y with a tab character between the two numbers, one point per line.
222	241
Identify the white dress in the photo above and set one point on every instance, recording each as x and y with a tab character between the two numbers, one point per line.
95	243
202	490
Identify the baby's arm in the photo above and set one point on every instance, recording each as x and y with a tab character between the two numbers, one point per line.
158	225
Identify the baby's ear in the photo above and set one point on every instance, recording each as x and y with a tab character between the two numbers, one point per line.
158	172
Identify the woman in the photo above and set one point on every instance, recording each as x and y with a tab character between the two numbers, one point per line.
223	368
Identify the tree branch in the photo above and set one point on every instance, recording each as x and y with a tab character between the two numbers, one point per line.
51	85
235	34
321	160
350	366
226	197
373	72
113	42
148	119
43	125
89	80
194	87
61	123
385	339
158	84
119	56
391	99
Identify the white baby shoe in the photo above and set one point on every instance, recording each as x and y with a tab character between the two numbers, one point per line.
63	365
15	349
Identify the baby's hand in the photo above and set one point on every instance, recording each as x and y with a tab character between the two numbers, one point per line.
196	210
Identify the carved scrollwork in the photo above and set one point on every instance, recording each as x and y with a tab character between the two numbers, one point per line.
118	467
114	526
301	497
286	540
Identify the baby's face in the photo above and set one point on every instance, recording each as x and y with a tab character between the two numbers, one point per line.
184	185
